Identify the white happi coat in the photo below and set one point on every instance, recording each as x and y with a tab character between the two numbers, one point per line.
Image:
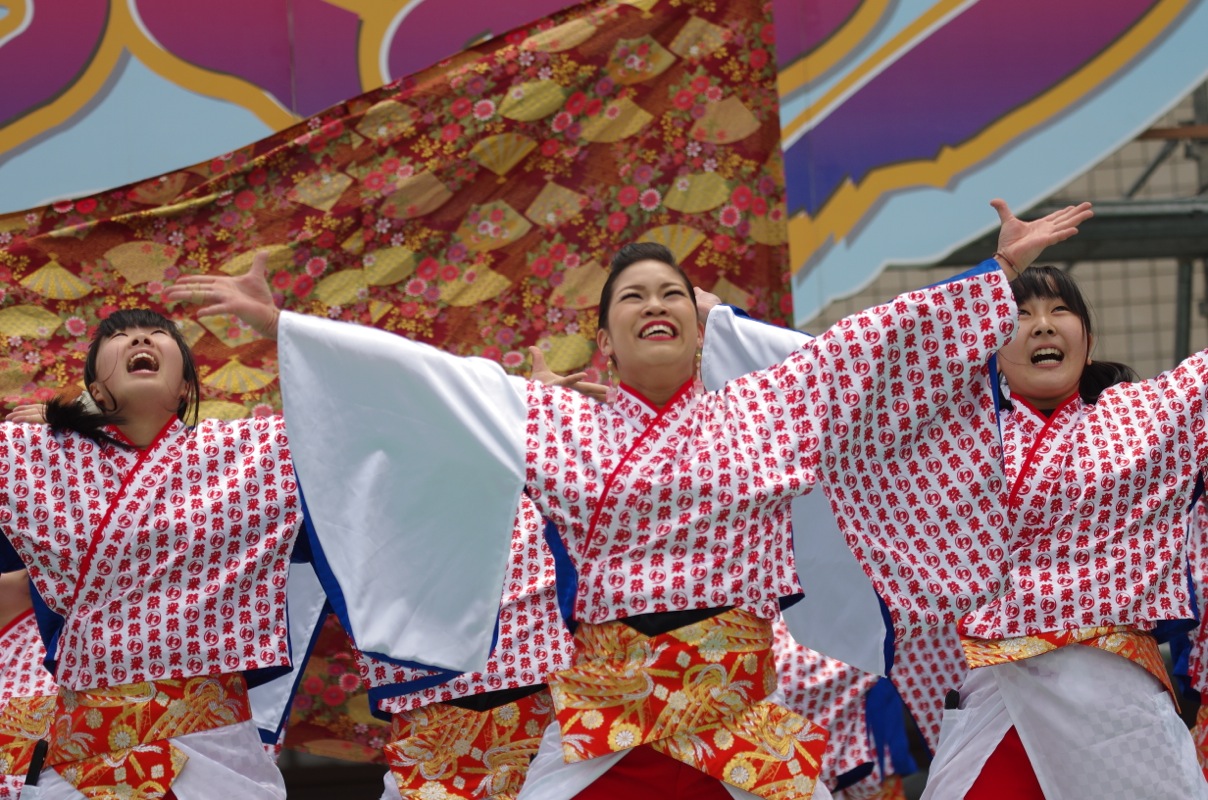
662	509
533	640
1098	503
165	563
925	669
1097	496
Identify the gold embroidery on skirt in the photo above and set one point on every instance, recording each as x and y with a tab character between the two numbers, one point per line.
697	694
23	722
114	742
465	753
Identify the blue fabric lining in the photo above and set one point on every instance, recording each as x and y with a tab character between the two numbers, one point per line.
890	646
885	715
566	577
50	626
9	560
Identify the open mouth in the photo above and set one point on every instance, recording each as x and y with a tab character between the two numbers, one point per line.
657	330
142	362
1048	355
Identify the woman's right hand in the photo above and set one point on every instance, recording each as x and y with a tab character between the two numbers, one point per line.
247	296
1022	242
541	373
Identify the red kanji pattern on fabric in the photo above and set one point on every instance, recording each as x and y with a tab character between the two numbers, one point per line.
830	694
1139	648
1098	505
27	696
647	534
697	694
21	657
925	669
169	562
471	205
919	498
114	742
330	714
533	641
467	754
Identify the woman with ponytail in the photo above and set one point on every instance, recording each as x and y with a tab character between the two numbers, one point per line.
160	545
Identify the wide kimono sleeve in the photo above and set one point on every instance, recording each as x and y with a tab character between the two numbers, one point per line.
840	614
411	463
9	560
15	494
892	411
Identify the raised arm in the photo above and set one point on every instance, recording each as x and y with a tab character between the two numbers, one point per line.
246	296
892	411
411	462
1021	242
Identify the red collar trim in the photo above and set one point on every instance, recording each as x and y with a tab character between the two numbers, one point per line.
121	437
683	391
1057	410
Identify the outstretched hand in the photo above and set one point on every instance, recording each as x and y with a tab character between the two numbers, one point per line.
541	373
246	296
1023	242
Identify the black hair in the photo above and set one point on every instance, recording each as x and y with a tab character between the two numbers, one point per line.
626	257
1053	283
63	414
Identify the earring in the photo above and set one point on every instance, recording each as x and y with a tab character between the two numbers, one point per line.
611	395
698	385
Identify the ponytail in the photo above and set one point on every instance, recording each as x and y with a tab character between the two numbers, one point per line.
1099	375
81	416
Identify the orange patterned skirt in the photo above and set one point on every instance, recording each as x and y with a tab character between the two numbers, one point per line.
113	742
445	751
697	694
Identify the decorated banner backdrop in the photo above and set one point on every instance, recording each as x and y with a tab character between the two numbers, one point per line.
330	714
473	205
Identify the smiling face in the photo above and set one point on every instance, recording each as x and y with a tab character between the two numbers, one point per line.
1044	361
139	370
652	333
